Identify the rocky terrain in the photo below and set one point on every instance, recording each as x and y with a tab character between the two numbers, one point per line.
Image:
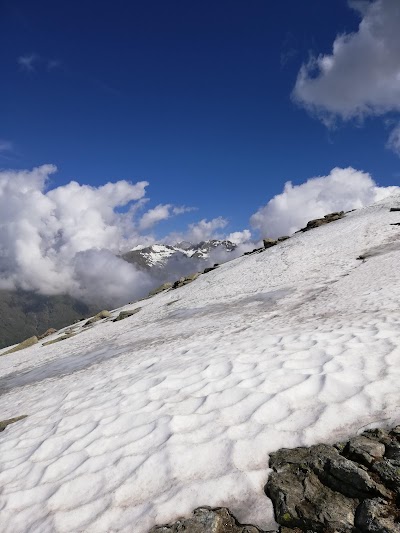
348	487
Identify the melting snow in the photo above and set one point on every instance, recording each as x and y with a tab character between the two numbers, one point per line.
137	422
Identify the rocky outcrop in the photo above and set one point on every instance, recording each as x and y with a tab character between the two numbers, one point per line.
268	243
22	345
207	520
327	219
161	288
5	423
126	314
349	487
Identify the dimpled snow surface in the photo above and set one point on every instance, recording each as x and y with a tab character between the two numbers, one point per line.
137	422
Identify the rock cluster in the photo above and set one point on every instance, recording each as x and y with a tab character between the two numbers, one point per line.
349	487
207	520
317	222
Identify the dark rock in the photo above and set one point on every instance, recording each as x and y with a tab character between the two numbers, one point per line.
364	450
376	516
207	520
389	474
283	238
5	423
268	243
394	209
126	314
208	269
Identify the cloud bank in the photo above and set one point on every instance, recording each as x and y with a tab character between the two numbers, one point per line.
361	77
65	240
342	190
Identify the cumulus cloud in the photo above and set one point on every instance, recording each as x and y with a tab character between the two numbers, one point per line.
65	240
160	212
361	77
200	231
394	140
342	190
240	237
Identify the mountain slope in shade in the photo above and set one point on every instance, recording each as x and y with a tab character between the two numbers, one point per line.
26	313
137	422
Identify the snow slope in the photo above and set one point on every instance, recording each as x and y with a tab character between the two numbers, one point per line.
136	422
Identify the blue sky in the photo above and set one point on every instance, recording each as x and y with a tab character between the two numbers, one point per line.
193	97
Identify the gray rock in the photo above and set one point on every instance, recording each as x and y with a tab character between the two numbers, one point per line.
91	321
364	450
126	314
207	520
376	516
389	474
283	238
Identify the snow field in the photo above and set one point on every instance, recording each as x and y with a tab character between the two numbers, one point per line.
137	422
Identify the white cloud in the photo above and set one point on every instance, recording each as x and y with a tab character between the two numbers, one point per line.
394	140
361	77
239	237
28	62
161	212
65	239
199	231
342	190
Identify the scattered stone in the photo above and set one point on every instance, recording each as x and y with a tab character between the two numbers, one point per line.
5	423
161	288
127	314
207	520
283	238
255	251
22	345
48	332
268	243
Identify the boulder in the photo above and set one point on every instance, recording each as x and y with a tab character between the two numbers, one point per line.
394	209
91	321
283	238
269	242
48	332
5	423
22	345
126	314
207	520
352	486
58	339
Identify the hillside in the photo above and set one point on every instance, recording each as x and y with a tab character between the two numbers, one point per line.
137	422
26	313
